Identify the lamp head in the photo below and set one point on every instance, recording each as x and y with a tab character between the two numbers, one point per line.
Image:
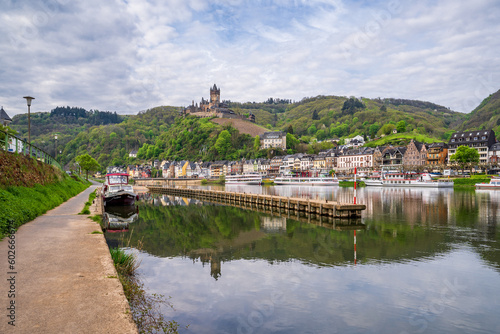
28	99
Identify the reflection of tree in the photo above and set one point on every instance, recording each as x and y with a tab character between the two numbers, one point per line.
215	234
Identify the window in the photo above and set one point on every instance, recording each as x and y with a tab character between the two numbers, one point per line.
453	140
483	137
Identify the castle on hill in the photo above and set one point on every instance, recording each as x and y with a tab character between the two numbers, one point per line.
215	108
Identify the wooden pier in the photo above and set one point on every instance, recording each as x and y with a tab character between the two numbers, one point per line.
320	208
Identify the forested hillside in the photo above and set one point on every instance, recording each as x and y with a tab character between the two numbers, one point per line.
325	117
485	116
162	133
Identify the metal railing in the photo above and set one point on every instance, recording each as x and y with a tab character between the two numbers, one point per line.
13	144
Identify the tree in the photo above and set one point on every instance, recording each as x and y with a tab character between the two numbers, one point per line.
291	141
312	130
223	143
315	115
351	105
401	126
321	134
383	108
256	143
290	129
386	129
87	163
465	156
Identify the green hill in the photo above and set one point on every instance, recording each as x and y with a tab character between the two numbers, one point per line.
163	134
485	116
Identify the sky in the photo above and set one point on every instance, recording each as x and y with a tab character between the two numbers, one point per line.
132	55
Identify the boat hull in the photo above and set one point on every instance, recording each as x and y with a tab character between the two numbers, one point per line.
121	198
418	184
487	186
305	182
258	183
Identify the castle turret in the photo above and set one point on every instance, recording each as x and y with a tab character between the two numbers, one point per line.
215	96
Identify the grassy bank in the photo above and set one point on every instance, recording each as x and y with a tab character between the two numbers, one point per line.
19	205
28	188
351	184
470	182
145	308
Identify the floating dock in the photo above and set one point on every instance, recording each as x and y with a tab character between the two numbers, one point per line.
320	208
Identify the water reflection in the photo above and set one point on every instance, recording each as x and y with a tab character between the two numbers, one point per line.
119	218
427	260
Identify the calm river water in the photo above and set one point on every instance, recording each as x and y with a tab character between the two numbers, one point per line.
419	261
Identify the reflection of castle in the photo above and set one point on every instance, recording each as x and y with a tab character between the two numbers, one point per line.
215	108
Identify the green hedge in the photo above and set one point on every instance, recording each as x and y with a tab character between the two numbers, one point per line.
19	205
467	182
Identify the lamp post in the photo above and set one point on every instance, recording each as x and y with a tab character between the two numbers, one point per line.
28	100
55	148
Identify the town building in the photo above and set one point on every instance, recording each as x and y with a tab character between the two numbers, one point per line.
273	139
392	157
359	158
416	154
481	140
437	154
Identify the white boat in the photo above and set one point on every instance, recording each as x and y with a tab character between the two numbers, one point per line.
117	191
250	178
414	180
494	184
372	181
306	181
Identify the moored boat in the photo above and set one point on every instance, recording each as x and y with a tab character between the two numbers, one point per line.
494	184
306	181
250	178
117	191
414	180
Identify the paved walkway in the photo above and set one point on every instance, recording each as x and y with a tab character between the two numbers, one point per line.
64	278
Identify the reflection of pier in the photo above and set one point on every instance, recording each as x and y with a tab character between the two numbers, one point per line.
319	208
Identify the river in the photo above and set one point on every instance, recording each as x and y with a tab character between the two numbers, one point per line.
418	261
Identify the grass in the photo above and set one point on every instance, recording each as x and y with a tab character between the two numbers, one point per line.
85	210
96	218
125	264
213	181
19	204
397	138
470	182
96	232
351	184
145	308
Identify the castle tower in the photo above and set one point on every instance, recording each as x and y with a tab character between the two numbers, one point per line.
214	96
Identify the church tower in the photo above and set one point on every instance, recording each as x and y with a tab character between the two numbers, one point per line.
214	96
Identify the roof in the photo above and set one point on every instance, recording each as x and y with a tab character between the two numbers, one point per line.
274	134
472	136
495	147
4	116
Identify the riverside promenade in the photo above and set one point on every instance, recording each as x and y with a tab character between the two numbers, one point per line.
63	279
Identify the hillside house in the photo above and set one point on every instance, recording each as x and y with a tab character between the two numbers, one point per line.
273	139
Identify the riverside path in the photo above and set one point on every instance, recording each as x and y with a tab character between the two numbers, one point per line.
63	279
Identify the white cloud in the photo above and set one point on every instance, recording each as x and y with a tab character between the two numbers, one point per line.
128	56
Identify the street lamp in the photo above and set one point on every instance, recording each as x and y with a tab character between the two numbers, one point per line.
28	100
55	148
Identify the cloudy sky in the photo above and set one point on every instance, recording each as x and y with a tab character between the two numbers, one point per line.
131	55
